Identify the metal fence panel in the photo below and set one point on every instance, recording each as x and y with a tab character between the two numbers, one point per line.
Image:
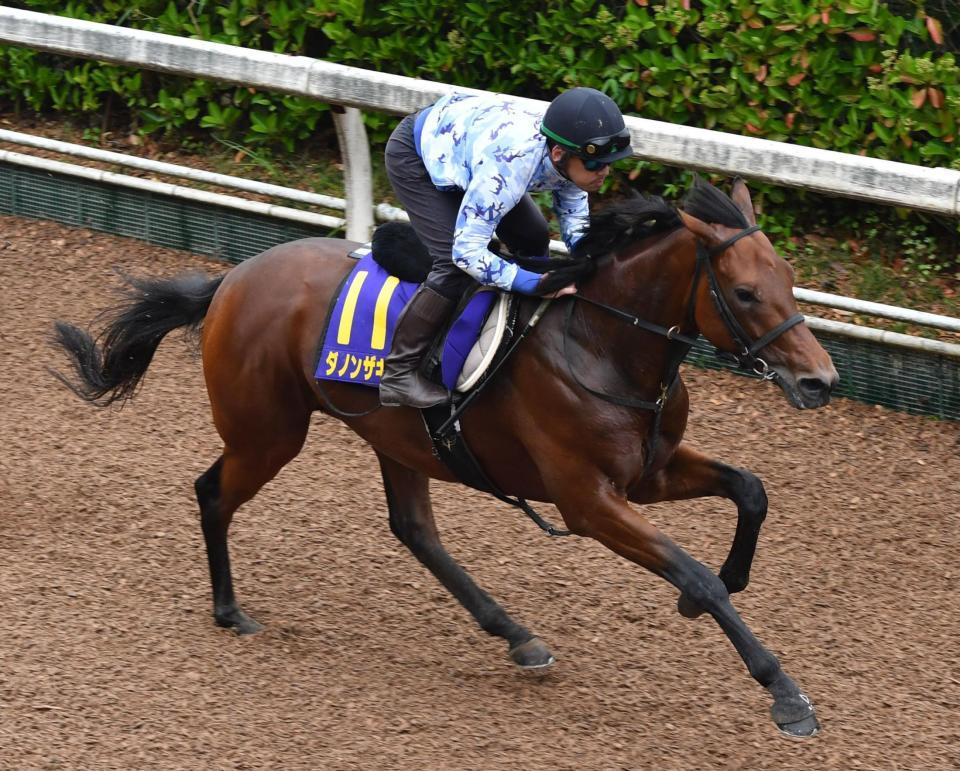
214	231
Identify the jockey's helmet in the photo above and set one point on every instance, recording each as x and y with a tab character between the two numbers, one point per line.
589	124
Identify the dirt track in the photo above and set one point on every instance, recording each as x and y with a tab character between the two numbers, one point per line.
110	658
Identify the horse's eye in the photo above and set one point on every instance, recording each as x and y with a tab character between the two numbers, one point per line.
744	295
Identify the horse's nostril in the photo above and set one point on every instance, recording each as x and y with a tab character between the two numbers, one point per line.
813	386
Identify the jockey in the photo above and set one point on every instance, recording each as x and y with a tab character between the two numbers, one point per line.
463	169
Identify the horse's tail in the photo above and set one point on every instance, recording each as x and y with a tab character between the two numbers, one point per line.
110	369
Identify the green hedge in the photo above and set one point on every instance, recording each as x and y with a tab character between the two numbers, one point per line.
850	75
857	76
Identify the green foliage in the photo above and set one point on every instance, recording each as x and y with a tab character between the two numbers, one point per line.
170	106
840	75
856	76
848	75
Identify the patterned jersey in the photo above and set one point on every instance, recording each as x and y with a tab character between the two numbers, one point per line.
491	147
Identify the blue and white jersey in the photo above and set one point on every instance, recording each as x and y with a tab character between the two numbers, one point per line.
491	147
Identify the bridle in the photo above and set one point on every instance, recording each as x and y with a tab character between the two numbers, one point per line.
680	344
748	349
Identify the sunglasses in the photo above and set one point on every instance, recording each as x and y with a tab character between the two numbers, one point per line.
591	164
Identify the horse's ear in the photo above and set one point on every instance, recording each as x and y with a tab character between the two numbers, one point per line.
741	197
702	230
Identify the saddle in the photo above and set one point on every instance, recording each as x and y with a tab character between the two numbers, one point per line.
360	325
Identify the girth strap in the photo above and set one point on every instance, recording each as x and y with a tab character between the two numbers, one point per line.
451	448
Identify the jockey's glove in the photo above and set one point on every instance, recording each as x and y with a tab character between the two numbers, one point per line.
564	275
525	282
550	274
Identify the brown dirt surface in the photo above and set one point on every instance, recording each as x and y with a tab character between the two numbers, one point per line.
110	659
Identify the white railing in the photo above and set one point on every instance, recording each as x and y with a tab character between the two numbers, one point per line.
886	182
880	181
386	212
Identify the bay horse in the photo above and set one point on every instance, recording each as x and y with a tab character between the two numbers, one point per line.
588	413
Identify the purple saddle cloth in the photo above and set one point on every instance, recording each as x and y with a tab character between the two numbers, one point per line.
360	327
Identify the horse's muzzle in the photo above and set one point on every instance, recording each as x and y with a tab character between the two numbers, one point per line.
809	390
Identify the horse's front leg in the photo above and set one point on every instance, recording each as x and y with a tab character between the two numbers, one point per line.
690	474
593	505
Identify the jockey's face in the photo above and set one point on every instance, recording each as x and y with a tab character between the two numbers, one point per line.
571	166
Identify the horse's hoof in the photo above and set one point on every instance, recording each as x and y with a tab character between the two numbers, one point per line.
802	729
795	716
688	608
533	657
239	622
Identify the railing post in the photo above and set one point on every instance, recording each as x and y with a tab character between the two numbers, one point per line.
355	152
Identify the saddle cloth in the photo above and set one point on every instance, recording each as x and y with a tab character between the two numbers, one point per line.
361	322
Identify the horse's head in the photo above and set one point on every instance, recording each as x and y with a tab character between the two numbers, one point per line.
745	302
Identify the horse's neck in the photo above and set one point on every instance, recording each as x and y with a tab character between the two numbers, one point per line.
653	280
653	283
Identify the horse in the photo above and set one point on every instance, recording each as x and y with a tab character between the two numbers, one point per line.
608	365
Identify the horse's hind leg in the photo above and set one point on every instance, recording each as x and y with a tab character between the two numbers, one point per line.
690	474
411	520
235	478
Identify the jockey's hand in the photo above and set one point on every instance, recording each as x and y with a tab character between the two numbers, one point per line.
556	283
568	289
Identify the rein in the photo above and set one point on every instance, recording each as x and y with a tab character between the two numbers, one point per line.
680	343
672	334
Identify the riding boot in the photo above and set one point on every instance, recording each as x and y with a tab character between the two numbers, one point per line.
402	383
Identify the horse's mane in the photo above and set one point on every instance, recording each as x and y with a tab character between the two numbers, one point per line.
634	219
626	222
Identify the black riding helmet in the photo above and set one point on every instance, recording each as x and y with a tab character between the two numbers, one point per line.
588	123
